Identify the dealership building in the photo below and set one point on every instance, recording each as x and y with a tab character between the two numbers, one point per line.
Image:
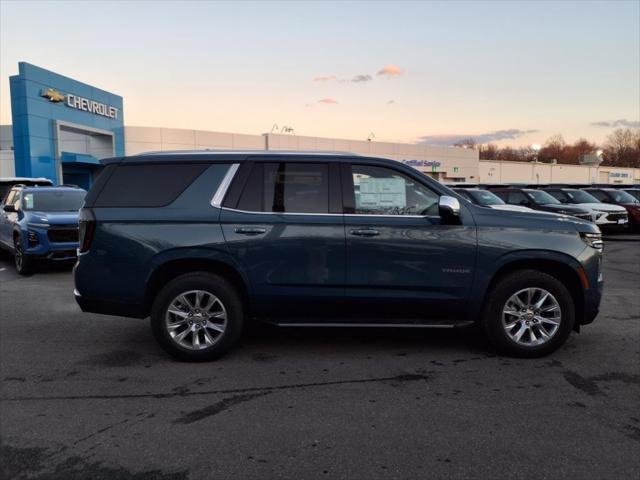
61	128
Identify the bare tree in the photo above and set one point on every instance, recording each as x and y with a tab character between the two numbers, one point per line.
622	148
469	142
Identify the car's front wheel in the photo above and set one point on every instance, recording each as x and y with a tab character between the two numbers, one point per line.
22	261
528	314
197	316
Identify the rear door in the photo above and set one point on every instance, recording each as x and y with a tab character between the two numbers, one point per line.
402	261
282	220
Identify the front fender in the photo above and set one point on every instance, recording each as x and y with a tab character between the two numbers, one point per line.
528	258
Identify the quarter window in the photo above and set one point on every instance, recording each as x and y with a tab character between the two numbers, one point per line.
383	191
147	185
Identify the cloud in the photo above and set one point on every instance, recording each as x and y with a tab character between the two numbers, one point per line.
325	78
362	78
448	140
618	123
390	70
328	101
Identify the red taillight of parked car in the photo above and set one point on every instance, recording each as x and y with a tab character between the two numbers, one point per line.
86	229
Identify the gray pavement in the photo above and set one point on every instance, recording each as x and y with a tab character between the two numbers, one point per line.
93	397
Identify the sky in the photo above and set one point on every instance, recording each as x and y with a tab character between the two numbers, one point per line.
509	72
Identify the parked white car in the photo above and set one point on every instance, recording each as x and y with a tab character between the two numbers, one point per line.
602	214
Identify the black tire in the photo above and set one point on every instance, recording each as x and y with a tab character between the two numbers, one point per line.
214	285
24	263
502	292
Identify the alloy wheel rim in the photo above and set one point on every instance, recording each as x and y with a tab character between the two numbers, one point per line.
196	319
531	317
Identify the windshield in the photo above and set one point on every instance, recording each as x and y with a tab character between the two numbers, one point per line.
578	196
619	196
484	197
542	198
53	201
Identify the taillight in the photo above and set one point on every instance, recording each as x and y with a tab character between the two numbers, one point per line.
86	229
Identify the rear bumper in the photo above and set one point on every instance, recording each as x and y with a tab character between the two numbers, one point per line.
104	307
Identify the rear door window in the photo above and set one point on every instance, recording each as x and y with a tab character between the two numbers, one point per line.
155	185
286	187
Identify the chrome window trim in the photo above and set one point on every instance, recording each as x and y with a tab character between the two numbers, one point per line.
282	213
218	197
328	214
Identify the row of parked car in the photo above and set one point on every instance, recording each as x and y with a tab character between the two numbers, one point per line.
612	209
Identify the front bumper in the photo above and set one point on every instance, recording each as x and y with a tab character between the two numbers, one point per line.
620	220
41	243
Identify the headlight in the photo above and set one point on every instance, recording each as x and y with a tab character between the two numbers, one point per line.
594	240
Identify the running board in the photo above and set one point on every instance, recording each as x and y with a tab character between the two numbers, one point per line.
374	325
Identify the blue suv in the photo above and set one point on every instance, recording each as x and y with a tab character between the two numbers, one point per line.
38	223
204	242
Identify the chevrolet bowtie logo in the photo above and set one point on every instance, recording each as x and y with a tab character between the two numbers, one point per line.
53	95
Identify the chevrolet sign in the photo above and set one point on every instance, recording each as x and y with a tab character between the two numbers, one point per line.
80	103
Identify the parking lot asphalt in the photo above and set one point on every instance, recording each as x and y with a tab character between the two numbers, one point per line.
93	397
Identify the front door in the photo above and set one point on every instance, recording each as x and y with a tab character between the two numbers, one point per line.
402	262
286	230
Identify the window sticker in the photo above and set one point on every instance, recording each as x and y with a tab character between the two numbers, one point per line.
381	193
28	201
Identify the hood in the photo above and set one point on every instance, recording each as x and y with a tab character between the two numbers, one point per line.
533	219
603	207
53	218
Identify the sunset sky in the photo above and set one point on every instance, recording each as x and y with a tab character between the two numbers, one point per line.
511	72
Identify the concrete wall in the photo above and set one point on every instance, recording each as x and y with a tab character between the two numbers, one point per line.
150	139
492	171
455	162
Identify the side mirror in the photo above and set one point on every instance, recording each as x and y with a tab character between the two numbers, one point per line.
448	207
9	209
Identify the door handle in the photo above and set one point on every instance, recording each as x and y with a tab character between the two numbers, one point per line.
365	232
250	231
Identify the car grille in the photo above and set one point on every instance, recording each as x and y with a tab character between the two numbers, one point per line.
66	233
617	216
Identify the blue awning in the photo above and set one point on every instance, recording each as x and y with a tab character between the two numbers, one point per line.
79	158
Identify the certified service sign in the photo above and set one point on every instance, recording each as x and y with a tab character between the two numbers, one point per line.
80	103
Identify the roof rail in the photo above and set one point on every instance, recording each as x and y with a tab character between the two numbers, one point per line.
246	152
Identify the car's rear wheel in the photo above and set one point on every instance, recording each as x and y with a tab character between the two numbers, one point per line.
22	261
197	316
528	314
